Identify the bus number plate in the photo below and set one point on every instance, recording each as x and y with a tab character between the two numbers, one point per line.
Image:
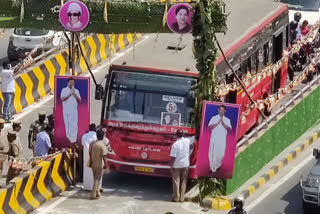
143	169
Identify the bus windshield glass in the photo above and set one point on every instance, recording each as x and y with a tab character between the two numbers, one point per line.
150	98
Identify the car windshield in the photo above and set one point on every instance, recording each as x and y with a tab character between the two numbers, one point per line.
30	32
151	98
303	4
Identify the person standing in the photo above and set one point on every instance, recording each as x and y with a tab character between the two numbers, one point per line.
35	128
2	146
86	140
98	152
180	162
15	151
8	88
70	98
219	125
43	143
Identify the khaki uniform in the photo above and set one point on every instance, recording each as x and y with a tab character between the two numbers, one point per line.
15	150
36	127
97	151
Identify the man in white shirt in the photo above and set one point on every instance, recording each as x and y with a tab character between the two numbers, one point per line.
8	88
43	143
180	162
86	140
220	125
70	98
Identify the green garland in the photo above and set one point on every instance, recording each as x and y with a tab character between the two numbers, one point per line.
123	17
208	19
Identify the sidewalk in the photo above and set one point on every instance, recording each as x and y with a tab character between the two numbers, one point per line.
276	166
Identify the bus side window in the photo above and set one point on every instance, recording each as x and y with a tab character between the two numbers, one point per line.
270	57
246	66
261	58
254	63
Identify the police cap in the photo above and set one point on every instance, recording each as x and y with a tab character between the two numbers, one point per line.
12	133
16	123
42	113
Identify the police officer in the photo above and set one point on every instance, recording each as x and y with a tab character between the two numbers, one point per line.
35	128
238	204
15	151
16	126
2	147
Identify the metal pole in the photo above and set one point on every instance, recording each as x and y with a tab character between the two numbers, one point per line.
72	54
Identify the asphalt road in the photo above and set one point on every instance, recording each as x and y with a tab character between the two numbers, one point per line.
287	199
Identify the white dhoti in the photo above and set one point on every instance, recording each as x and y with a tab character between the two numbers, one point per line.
86	140
218	142
70	114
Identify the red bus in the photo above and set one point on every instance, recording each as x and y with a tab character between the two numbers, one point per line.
160	81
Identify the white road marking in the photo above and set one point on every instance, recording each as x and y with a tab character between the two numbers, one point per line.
279	183
43	100
57	202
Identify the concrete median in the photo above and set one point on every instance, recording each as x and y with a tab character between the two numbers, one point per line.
38	81
29	190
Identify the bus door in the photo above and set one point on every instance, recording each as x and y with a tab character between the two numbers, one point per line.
277	55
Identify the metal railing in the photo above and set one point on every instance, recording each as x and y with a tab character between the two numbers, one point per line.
245	139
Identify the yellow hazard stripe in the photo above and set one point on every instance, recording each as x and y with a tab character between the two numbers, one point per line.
93	48
13	202
3	194
55	173
41	185
62	64
121	41
29	87
103	44
40	76
17	98
28	189
52	72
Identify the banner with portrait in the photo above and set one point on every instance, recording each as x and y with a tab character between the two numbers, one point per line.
179	18
71	109
217	143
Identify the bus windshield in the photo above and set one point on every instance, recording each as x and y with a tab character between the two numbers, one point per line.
150	98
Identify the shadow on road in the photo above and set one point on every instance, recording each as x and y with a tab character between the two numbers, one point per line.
137	186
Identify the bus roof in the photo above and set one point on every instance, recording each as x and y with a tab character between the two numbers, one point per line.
246	18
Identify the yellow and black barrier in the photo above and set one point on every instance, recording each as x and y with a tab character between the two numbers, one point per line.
38	81
29	190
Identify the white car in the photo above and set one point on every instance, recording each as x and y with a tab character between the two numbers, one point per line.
23	40
309	9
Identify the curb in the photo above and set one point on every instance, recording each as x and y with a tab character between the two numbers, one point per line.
220	203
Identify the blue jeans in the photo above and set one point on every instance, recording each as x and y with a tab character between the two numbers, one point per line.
7	96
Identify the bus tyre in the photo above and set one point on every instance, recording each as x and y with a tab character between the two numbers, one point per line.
306	207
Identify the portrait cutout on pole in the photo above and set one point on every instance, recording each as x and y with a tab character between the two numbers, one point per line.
218	139
179	18
74	16
71	109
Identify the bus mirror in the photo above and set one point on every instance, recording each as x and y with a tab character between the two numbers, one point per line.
316	153
99	92
191	94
